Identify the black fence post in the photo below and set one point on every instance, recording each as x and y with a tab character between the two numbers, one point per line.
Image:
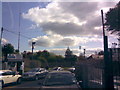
85	77
108	74
111	79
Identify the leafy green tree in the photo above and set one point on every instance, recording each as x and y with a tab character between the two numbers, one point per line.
43	61
38	54
113	19
16	51
52	58
7	49
45	54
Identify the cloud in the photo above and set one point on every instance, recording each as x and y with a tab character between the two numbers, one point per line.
68	24
63	18
53	40
68	18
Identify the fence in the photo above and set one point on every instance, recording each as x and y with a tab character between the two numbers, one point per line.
91	73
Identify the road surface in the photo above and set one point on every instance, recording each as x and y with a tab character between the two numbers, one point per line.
25	85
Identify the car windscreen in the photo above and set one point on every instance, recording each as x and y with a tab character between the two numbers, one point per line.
7	73
59	79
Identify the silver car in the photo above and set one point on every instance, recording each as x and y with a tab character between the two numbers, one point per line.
35	74
63	80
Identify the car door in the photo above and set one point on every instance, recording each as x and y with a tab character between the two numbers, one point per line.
13	76
6	76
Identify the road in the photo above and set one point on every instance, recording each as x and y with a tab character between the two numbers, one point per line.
30	85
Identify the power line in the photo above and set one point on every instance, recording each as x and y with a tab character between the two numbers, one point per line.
15	33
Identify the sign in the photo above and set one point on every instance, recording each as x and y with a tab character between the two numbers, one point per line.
15	57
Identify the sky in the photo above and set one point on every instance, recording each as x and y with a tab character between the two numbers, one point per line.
55	25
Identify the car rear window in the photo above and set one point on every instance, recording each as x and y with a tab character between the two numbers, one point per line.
59	79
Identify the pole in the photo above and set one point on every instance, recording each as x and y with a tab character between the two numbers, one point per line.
107	81
19	30
1	34
18	41
84	52
1	55
33	43
103	23
32	50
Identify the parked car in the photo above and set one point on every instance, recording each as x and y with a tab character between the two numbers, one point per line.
57	68
64	80
71	69
35	74
8	76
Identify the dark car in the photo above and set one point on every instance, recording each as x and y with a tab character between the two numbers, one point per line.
35	74
63	80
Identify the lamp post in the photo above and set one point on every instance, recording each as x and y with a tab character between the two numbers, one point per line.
33	43
84	52
80	50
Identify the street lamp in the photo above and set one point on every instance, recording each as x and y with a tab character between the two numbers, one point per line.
33	43
84	52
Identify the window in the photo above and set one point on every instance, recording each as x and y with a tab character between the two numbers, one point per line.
6	73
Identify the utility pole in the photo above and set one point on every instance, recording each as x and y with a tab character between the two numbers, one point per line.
1	34
19	30
108	78
1	56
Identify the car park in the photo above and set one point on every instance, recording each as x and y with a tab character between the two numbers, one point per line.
35	74
8	76
60	80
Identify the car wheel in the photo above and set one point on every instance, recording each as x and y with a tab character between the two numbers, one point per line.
19	81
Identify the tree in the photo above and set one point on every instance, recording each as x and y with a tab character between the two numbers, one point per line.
113	19
45	54
43	61
16	51
7	49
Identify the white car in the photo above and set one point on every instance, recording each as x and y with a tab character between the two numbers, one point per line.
8	76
